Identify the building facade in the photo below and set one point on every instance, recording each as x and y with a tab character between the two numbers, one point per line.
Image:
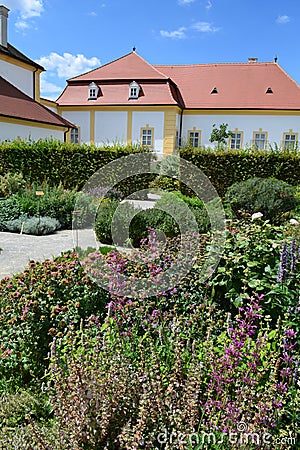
22	115
132	101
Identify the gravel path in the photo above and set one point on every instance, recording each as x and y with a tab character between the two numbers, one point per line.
18	249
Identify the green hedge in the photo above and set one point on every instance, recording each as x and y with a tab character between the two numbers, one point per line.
225	168
69	164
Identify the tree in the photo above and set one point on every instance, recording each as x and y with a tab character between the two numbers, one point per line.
220	135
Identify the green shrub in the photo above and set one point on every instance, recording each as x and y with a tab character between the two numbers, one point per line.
167	216
103	221
32	225
56	202
270	197
165	183
10	209
174	203
224	168
40	225
38	305
11	183
151	218
70	164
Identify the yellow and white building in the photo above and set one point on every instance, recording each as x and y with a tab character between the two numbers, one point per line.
132	101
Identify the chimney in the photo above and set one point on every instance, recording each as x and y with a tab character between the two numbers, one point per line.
3	25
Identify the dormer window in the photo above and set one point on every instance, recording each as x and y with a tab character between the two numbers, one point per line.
269	90
93	91
134	90
214	91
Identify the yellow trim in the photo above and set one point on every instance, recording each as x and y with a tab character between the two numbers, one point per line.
260	131
129	127
235	131
152	135
17	62
289	132
133	108
243	112
169	132
49	103
32	123
37	86
195	130
92	127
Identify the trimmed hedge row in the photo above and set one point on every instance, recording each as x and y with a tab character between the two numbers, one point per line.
69	164
224	168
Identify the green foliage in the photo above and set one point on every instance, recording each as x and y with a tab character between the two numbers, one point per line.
11	183
165	183
183	209
249	265
56	202
168	216
224	168
220	134
40	225
70	164
10	209
271	197
39	304
103	221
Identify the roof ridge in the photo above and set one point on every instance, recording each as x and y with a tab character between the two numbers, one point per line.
246	63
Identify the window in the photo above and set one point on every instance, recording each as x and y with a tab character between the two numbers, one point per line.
236	140
260	139
194	137
75	135
147	136
290	140
93	91
134	90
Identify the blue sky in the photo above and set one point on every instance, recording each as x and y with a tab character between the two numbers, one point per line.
70	37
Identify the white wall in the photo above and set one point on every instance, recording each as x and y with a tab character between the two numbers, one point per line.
82	120
110	127
274	125
21	78
154	120
10	132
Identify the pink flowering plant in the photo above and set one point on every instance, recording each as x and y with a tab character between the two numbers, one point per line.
39	304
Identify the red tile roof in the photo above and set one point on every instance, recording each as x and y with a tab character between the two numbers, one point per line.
15	104
238	85
118	94
128	67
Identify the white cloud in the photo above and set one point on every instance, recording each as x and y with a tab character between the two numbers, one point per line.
208	5
49	88
93	14
21	25
185	2
283	19
67	65
176	34
26	8
205	27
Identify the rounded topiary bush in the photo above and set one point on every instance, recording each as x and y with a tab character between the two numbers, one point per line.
268	196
